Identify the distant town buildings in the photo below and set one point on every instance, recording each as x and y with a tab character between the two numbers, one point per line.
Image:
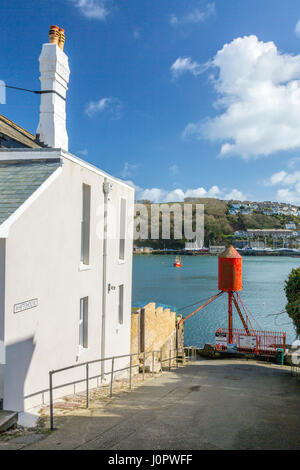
265	208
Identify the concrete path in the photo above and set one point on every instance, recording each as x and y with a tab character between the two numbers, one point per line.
219	404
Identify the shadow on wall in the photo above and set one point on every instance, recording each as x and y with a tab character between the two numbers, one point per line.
18	359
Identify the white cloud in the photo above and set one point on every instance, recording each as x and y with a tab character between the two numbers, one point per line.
297	29
284	178
259	91
112	106
96	9
290	186
178	194
235	194
194	16
128	170
186	64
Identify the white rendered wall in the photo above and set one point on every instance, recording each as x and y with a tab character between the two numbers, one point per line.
43	262
2	305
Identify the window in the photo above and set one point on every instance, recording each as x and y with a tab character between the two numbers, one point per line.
122	228
85	224
83	322
121	304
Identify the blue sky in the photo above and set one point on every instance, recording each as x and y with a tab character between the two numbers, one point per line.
183	98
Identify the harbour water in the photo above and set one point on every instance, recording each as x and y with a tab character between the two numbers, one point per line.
156	280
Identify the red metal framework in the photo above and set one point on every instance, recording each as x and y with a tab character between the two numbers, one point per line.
231	339
267	342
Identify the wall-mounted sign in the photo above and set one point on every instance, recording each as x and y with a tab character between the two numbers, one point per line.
25	305
248	342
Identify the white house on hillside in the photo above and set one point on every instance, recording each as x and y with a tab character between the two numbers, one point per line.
65	254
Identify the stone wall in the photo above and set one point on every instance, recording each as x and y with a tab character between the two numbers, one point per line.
155	329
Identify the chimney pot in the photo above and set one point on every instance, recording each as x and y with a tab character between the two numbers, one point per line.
62	38
54	34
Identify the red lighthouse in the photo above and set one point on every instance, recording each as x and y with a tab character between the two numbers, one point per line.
230	279
248	339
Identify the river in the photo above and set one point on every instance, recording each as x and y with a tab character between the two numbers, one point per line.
156	280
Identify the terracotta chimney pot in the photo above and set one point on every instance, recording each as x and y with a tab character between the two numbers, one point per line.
62	38
54	35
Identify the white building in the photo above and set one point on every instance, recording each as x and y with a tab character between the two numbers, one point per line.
216	250
65	255
290	226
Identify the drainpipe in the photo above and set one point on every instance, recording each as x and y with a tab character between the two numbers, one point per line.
107	188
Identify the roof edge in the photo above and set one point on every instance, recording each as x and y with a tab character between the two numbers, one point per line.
53	153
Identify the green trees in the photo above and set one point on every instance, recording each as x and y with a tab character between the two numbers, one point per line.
292	292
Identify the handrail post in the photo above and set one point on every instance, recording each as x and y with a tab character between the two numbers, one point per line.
112	376
51	401
130	372
144	360
87	385
177	358
152	363
170	359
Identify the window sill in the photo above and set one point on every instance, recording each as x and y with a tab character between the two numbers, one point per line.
84	267
82	352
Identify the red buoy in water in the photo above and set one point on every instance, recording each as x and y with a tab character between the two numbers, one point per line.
230	270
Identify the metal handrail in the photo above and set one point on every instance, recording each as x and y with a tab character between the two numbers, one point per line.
191	357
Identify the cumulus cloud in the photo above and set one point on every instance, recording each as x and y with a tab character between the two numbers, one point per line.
178	194
112	106
95	9
259	99
187	64
196	15
289	186
297	29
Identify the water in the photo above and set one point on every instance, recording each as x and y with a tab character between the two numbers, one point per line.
156	280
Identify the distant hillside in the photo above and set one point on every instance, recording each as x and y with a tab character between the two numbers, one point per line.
220	225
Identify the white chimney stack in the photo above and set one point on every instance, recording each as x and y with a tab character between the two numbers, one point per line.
55	72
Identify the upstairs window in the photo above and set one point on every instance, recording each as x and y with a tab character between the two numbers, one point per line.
85	224
122	229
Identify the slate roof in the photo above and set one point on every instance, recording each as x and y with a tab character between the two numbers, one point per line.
19	180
